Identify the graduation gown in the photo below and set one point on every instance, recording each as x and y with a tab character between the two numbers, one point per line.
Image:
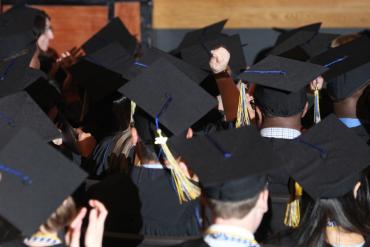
363	133
273	220
145	202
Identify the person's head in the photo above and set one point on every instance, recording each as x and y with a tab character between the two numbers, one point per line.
289	108
43	30
349	212
346	89
143	134
119	160
248	212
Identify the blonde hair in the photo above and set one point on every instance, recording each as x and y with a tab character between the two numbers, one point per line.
62	217
344	39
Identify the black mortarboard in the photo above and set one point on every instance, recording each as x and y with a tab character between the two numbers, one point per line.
281	84
13	70
19	110
327	159
36	179
165	91
232	165
320	43
193	37
17	29
312	28
115	30
153	54
348	67
100	73
44	94
200	54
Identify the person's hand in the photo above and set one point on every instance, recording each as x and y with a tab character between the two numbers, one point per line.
219	60
95	229
69	58
85	142
317	83
72	237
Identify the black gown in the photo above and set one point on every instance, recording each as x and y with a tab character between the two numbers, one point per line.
145	202
273	220
362	132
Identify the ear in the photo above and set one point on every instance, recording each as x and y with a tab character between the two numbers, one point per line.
305	109
189	133
135	136
355	189
262	202
259	117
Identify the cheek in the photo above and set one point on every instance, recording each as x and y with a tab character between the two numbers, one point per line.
43	42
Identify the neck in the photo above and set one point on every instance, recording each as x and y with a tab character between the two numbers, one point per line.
346	108
247	223
35	62
337	236
293	122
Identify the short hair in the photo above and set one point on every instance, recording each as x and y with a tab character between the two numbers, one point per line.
62	217
229	209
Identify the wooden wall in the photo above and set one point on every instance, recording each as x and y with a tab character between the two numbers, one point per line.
181	14
73	25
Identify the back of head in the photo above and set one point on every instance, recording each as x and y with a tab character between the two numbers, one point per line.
348	212
277	103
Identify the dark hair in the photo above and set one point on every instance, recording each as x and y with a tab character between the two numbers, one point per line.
227	210
39	25
346	211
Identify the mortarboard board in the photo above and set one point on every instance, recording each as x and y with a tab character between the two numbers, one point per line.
320	43
14	71
36	179
44	94
327	159
199	54
153	54
232	165
348	67
17	29
101	72
165	92
115	30
193	37
281	84
19	110
314	28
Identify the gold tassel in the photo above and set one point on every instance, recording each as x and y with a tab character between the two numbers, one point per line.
186	190
293	213
242	115
317	116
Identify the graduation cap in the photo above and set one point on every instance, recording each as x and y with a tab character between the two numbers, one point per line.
153	54
327	159
36	179
205	33
348	67
115	30
44	94
320	43
168	95
200	54
232	165
311	28
101	72
17	29
281	84
15	71
19	110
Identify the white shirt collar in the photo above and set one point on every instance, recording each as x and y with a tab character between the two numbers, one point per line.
280	133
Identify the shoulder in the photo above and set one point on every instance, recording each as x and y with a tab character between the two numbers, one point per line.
194	243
